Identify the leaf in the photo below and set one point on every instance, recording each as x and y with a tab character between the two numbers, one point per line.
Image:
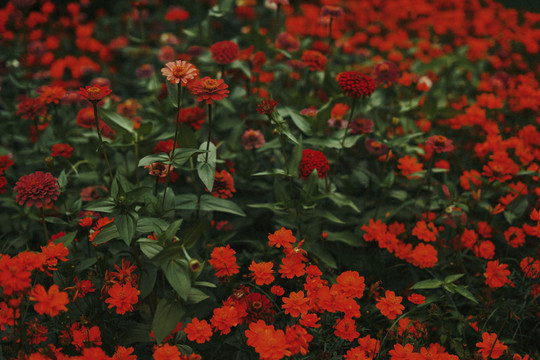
205	284
242	66
298	120
294	161
273	172
107	205
428	284
402	140
66	239
206	167
116	121
346	237
150	159
149	247
62	180
85	264
196	296
168	315
178	275
211	203
148	225
108	232
452	278
186	202
326	142
342	200
126	224
466	293
171	231
325	214
172	93
192	235
139	333
181	155
147	280
351	140
429	109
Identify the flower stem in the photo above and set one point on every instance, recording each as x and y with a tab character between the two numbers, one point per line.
178	107
101	143
209	131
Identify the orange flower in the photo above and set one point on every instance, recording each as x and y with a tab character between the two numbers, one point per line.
262	272
207	89
199	331
409	165
51	302
402	352
123	353
225	318
282	237
350	284
416	299
298	339
269	343
123	297
424	256
390	305
223	261
296	304
180	72
167	352
53	253
425	232
496	274
490	347
346	329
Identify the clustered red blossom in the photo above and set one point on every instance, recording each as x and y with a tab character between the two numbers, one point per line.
354	84
224	52
95	92
252	139
223	185
266	107
208	89
38	189
313	160
315	60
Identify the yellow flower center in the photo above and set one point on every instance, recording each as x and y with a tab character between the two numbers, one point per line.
440	140
179	71
93	90
210	84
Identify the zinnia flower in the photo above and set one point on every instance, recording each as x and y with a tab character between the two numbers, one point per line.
199	331
252	139
223	185
208	89
94	93
439	144
180	71
390	305
266	107
490	346
37	189
385	72
314	59
64	150
224	52
51	302
354	84
123	297
31	108
311	160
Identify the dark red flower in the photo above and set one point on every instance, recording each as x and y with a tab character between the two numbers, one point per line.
5	162
207	89
266	107
311	160
193	116
385	72
223	185
64	150
31	108
164	146
439	143
94	93
37	189
354	84
3	183
224	52
314	59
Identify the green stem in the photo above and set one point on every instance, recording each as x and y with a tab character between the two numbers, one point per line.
178	107
137	177
209	131
101	143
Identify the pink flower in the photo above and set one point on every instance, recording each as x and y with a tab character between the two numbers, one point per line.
180	71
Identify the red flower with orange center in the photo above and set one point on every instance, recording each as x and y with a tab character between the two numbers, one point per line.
199	331
223	261
208	89
180	72
439	144
262	272
390	305
296	304
314	59
94	93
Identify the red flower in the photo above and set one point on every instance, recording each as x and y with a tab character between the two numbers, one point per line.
207	89
199	331
385	72
496	274
262	272
266	107
37	189
223	261
94	93
5	162
176	13
51	302
390	305
416	298
439	144
224	52
223	185
252	139
51	94
167	352
354	84
123	297
490	347
296	304
64	150
192	116
314	59
31	108
311	160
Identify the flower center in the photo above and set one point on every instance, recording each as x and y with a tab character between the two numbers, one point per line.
179	71
93	90
376	145
440	140
210	84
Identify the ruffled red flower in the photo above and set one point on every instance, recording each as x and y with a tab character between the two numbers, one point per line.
314	59
37	189
311	160
223	185
224	52
31	108
208	89
354	84
439	144
266	107
94	93
64	150
192	116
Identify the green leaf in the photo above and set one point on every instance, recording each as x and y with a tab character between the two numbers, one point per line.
204	284
168	315
62	181
187	137
148	225
206	167
241	66
343	200
147	280
179	276
172	93
465	293
116	121
66	239
325	142
126	225
149	247
186	202
351	140
193	234
273	172
211	203
196	296
429	109
102	205
181	155
428	284
171	231
55	220
150	159
298	120
294	161
85	264
139	333
137	194
402	140
324	214
346	237
107	233
451	278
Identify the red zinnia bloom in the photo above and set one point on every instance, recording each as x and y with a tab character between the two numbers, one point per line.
386	73
266	107
496	274
123	353
123	297
3	183
314	59
207	89
354	84
296	304
416	299
37	189
51	94
298	339
311	160
262	272
334	11
490	347
180	71
167	352
31	108
64	150
439	144
252	139
409	165
193	116
223	261
199	331
94	93
5	162
282	237
176	13
346	329
51	302
424	256
269	343
224	318
530	267
223	185
224	52
390	305
350	284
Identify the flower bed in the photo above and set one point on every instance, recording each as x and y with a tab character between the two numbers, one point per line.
340	179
